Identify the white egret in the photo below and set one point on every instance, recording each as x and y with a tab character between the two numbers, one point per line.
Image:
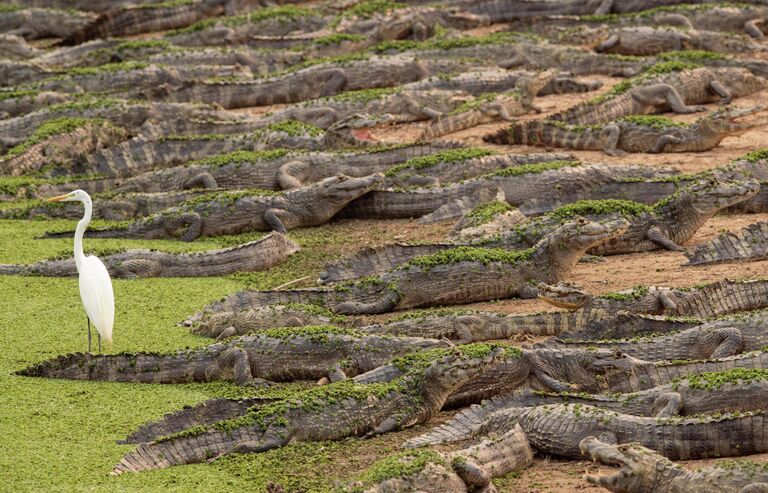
95	284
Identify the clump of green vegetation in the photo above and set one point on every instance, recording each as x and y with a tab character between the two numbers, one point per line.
626	208
313	333
715	380
469	254
654	121
368	8
240	157
442	43
426	312
636	293
364	95
107	68
18	94
533	168
400	465
485	213
448	156
670	66
48	130
691	56
10	185
4	8
225	198
316	310
748	467
337	60
754	156
338	38
292	128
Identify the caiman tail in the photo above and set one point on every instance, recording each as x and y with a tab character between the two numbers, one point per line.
371	261
205	413
524	133
177	451
451	123
139	367
13	270
751	243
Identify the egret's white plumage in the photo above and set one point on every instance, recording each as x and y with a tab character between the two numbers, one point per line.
98	298
95	284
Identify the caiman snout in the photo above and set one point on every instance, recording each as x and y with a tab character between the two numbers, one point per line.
618	361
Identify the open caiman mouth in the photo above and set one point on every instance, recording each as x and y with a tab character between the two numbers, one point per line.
364	134
566	303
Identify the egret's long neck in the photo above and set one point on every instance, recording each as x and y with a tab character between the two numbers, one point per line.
79	232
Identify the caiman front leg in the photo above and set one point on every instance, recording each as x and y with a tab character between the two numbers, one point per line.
718	88
237	359
753	29
667	404
663	142
657	236
611	135
335	82
276	218
609	43
201	180
292	174
659	94
191	222
605	7
727	342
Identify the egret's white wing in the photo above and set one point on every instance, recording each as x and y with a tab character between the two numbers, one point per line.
98	298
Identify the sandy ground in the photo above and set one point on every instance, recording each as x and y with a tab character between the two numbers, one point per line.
614	273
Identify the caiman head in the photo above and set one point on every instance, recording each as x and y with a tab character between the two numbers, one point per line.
529	86
740	81
727	121
640	468
339	190
353	131
463	364
564	295
582	368
710	195
568	243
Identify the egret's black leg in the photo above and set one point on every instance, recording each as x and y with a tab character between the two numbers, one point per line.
89	333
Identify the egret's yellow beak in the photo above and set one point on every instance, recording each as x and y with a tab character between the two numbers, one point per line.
59	198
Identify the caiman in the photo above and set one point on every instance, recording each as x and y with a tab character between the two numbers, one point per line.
281	354
636	133
254	256
464	275
557	430
641	470
667	224
250	210
721	338
330	412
